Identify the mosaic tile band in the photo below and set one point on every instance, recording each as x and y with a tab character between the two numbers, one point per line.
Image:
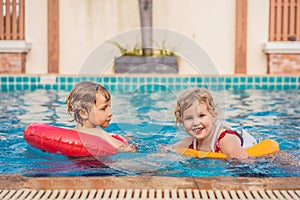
129	83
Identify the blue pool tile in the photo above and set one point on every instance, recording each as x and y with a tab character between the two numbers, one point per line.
19	79
257	79
106	79
228	80
264	87
63	87
3	79
199	79
170	80
242	79
213	80
264	80
113	79
32	87
279	79
19	87
249	79
142	80
3	87
293	79
242	87
249	87
271	79
33	79
62	79
11	79
235	79
11	87
193	79
206	79
164	80
149	80
70	79
286	79
127	79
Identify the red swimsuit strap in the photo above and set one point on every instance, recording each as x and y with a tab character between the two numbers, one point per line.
217	148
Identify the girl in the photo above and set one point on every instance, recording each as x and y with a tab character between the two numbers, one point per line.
89	104
196	111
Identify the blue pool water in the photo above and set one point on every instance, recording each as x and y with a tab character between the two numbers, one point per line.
146	117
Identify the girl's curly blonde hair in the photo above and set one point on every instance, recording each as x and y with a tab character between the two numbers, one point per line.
186	99
82	97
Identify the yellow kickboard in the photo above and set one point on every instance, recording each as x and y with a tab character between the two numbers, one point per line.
263	148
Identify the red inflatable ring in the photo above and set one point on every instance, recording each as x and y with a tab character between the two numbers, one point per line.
67	142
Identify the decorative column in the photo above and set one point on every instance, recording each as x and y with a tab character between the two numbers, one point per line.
241	36
53	36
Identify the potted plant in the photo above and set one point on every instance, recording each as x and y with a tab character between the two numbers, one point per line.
143	58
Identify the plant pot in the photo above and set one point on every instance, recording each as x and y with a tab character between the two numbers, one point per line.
146	64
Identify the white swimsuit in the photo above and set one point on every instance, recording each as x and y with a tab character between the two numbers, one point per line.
248	139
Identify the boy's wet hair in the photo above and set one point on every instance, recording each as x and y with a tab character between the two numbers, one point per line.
82	97
186	99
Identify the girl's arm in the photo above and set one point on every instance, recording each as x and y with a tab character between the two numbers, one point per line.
230	145
184	143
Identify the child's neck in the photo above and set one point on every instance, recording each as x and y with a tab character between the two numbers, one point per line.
204	144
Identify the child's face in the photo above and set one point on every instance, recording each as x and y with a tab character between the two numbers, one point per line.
100	114
197	121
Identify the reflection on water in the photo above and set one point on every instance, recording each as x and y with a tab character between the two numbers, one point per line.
147	118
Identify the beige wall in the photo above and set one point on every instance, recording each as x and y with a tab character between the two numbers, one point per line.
36	34
86	24
258	33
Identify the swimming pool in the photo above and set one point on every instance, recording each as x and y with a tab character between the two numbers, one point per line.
143	106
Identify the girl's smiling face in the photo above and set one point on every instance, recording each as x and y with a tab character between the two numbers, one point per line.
198	121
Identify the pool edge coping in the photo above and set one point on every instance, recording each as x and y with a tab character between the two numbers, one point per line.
18	182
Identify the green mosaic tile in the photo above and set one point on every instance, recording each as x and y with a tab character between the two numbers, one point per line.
278	79
199	79
249	87
249	79
235	79
19	79
286	79
264	79
62	79
170	80
19	87
33	79
127	79
228	80
3	79
70	79
141	80
264	87
11	79
214	80
47	86
271	79
242	79
11	87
